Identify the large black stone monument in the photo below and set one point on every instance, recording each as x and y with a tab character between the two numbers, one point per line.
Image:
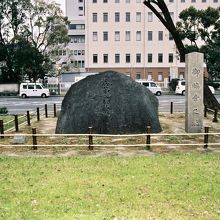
111	103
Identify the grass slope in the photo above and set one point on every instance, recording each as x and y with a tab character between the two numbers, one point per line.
176	186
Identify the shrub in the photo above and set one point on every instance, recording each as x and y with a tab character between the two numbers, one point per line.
3	110
8	93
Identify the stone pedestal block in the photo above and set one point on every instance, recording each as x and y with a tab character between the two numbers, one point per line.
194	93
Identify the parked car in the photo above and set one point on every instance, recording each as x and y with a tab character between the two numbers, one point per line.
33	89
152	86
181	88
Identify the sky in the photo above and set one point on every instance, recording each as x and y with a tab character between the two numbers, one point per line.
62	4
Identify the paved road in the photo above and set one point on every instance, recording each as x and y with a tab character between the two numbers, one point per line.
20	106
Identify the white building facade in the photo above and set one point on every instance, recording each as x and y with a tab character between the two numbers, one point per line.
125	36
75	11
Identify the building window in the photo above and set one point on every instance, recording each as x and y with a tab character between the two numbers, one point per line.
181	75
138	16
105	58
94	1
183	1
193	1
127	35
94	17
138	58
160	35
215	1
117	1
150	16
127	58
127	1
171	1
95	36
138	75
105	36
172	15
138	1
117	58
83	52
117	17
95	58
80	8
204	1
150	35
127	16
170	36
149	76
105	1
117	35
76	26
60	52
77	39
105	17
160	58
170	59
75	63
160	76
138	36
150	58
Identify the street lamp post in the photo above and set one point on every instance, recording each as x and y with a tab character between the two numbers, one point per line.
59	68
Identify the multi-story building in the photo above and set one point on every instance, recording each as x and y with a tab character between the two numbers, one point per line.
75	10
125	36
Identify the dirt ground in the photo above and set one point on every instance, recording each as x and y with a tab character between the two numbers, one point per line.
60	146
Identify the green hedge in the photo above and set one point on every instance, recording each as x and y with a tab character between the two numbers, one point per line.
3	110
8	93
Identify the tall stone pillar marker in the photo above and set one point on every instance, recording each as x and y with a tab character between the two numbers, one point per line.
194	93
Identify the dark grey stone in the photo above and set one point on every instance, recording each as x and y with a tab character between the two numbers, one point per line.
111	103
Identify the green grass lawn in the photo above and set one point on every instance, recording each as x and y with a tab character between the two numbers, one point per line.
166	186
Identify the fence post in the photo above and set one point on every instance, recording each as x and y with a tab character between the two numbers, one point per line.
148	138
16	123
55	110
205	111
38	114
206	138
90	139
171	108
215	119
28	118
2	129
34	138
46	114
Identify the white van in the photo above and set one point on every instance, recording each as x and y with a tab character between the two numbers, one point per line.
33	89
181	88
152	86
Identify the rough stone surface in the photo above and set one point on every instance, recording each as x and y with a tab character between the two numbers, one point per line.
19	139
111	103
194	93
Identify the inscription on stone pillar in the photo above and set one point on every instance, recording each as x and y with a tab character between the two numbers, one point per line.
194	93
